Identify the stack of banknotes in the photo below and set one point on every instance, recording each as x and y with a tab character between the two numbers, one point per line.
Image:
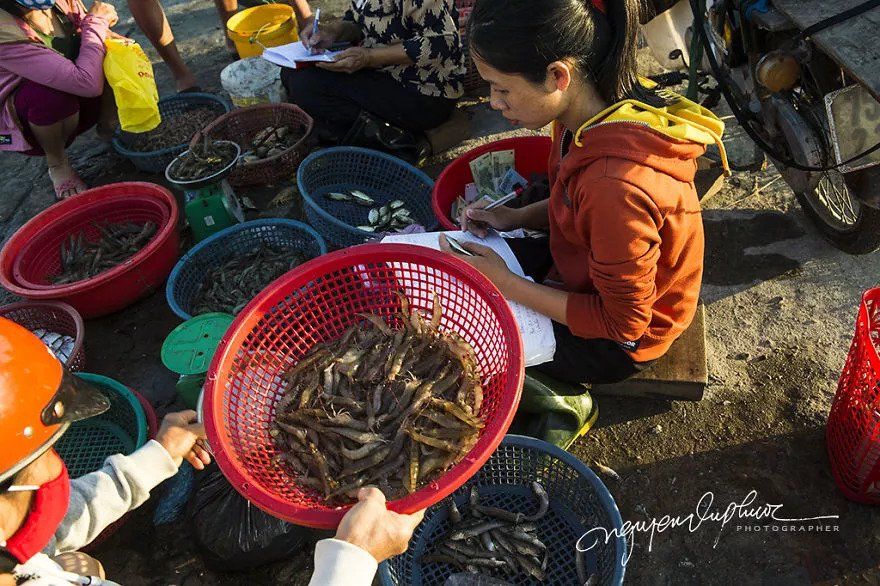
494	177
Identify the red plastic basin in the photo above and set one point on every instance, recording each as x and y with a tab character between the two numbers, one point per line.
530	156
34	250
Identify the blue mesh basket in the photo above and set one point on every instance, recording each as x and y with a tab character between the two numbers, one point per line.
156	161
190	270
578	502
381	176
120	430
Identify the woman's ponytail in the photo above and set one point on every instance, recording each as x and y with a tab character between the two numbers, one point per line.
616	76
599	36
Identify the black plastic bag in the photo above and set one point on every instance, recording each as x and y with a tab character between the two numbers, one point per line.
232	533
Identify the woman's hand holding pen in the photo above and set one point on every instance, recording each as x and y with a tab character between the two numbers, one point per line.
318	38
477	221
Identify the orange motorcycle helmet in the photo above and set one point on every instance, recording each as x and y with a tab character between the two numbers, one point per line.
39	398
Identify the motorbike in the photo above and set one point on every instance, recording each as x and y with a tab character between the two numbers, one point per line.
802	78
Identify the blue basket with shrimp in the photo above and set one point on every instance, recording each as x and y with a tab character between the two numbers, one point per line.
343	186
205	107
578	502
190	272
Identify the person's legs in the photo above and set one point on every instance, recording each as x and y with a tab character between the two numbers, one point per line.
225	10
335	100
151	19
103	110
595	361
320	94
380	94
51	120
533	255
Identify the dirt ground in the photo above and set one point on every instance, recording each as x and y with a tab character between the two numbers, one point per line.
781	304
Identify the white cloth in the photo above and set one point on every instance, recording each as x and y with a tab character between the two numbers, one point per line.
101	498
339	563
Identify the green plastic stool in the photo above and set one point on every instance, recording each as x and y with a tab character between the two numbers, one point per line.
553	410
189	349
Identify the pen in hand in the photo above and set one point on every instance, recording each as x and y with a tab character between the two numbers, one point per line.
314	31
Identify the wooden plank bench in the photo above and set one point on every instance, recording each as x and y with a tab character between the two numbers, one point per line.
682	373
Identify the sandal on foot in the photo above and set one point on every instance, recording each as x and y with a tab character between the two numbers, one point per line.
69	187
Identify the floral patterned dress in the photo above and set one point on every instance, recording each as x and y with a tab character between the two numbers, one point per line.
428	31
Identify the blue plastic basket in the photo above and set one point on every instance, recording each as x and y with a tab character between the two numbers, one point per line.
156	161
578	502
120	430
190	270
381	176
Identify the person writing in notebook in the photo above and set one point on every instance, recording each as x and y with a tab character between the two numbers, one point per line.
620	272
406	68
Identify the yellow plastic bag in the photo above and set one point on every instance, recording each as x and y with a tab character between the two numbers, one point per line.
130	74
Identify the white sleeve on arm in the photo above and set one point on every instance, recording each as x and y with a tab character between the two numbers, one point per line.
100	498
339	563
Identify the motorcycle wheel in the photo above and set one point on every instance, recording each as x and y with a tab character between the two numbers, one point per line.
834	207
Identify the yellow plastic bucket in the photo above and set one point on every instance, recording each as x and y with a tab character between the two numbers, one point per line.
256	28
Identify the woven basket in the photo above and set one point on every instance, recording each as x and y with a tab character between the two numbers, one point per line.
473	83
155	162
241	125
120	430
379	175
53	316
579	502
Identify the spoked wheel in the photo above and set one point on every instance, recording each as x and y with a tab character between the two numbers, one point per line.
833	206
834	202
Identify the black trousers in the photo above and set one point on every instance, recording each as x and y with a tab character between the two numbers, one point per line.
577	360
335	100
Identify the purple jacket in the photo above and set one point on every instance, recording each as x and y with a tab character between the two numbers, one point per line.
22	56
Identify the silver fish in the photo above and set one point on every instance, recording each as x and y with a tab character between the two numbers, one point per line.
396	204
362	198
367	228
336	196
373	217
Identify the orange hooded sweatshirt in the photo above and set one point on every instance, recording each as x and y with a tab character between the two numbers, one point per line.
626	232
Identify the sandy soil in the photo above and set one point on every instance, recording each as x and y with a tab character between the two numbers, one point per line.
781	304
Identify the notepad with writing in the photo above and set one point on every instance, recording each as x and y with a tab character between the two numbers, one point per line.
295	54
539	342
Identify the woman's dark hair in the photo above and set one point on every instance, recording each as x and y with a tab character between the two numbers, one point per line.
525	36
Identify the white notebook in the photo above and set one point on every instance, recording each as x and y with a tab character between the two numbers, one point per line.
539	342
291	54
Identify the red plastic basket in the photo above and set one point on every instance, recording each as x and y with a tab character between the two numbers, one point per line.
853	430
34	249
55	317
531	155
317	302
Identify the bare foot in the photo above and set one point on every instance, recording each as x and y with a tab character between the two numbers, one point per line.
65	181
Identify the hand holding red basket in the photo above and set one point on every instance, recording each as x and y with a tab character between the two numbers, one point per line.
316	302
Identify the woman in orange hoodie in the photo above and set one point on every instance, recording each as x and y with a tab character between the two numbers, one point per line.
620	273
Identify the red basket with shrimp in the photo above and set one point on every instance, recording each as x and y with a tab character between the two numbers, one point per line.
32	255
531	155
853	430
316	303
